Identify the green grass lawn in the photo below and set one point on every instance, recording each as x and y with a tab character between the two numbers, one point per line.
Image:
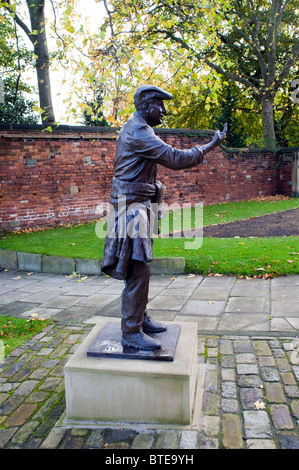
15	331
231	211
275	256
245	256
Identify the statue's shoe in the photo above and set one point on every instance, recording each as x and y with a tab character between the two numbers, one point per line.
151	326
139	341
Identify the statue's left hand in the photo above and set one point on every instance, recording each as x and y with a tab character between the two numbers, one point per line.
217	140
219	136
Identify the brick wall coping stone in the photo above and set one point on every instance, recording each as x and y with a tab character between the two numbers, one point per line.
64	131
38	131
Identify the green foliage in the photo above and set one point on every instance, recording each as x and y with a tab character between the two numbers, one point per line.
227	112
253	44
13	52
93	115
16	107
15	58
286	120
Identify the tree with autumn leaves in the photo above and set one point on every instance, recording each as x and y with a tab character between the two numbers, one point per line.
253	44
36	32
197	50
29	16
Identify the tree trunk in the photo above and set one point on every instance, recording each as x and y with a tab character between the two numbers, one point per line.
268	121
39	39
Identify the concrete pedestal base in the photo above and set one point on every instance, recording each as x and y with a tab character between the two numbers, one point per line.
134	391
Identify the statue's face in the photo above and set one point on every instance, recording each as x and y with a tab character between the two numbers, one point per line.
154	112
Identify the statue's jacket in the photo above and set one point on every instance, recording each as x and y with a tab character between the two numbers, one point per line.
136	196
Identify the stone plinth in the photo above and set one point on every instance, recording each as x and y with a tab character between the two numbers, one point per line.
134	391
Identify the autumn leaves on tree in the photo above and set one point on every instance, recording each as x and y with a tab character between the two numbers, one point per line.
195	49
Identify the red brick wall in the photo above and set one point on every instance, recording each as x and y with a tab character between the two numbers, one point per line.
49	179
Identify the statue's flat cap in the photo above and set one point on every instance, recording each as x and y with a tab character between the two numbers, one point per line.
147	92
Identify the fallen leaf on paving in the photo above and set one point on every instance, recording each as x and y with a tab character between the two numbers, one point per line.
190	275
260	405
83	278
211	302
285	295
15	278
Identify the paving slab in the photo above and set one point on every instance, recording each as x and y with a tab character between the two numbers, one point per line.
164	302
43	296
282	292
16	309
204	323
182	291
41	312
62	301
75	314
185	295
85	290
97	300
286	307
284	324
292	280
203	307
14	296
206	293
248	305
221	281
252	288
244	322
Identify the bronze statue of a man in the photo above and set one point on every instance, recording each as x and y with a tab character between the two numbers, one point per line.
127	253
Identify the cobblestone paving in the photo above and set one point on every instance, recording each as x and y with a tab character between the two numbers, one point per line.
251	397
